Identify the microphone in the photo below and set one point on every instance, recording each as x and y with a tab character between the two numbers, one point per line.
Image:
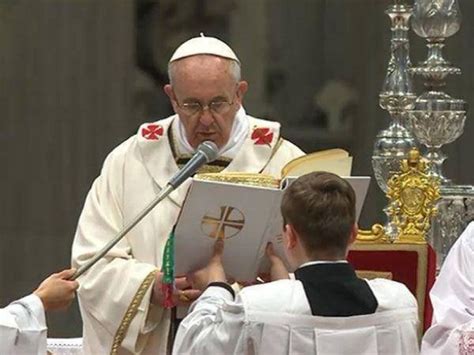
206	152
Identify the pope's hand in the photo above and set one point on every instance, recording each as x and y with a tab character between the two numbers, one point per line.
183	294
213	272
57	292
278	270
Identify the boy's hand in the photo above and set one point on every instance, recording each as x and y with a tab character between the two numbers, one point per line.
213	272
278	270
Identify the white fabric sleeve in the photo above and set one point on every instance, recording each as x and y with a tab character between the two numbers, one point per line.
214	325
31	308
108	288
452	297
23	327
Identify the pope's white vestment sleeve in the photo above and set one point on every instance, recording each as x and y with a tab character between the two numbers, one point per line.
215	325
452	297
114	295
23	327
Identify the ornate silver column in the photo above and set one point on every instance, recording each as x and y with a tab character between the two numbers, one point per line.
397	96
438	119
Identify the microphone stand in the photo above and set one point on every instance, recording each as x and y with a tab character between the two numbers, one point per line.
161	196
206	152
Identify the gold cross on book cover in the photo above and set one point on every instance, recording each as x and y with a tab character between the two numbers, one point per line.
244	209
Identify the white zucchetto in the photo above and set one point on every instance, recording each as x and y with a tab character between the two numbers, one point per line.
204	45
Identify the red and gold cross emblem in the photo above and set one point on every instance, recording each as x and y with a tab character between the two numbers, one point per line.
262	136
152	132
227	223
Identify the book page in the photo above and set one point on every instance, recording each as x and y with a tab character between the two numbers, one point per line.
240	214
341	167
336	161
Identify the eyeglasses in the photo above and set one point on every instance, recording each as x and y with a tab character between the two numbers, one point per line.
215	107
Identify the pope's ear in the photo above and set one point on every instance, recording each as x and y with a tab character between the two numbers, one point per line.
168	89
242	88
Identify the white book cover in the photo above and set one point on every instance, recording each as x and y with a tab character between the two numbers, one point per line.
247	217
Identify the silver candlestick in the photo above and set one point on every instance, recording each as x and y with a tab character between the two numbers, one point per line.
397	96
436	20
437	118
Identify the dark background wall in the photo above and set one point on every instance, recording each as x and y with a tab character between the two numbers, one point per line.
78	76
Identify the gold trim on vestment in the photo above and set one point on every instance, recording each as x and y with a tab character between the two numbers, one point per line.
172	141
131	312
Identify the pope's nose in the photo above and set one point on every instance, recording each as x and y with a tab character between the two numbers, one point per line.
206	118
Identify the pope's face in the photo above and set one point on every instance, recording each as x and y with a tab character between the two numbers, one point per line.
206	97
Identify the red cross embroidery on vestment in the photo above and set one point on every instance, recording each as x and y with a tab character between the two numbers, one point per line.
262	136
152	132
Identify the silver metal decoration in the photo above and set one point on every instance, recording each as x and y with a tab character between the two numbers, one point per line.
437	127
437	118
397	96
436	20
456	210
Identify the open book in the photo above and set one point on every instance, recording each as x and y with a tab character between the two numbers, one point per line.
335	161
244	209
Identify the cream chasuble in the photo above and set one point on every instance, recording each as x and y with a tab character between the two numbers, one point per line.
114	295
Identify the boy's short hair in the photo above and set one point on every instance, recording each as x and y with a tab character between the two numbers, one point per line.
321	208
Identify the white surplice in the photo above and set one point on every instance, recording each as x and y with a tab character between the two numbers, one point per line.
23	327
114	295
276	318
452	296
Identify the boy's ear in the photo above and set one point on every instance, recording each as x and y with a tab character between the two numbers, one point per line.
354	232
291	236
